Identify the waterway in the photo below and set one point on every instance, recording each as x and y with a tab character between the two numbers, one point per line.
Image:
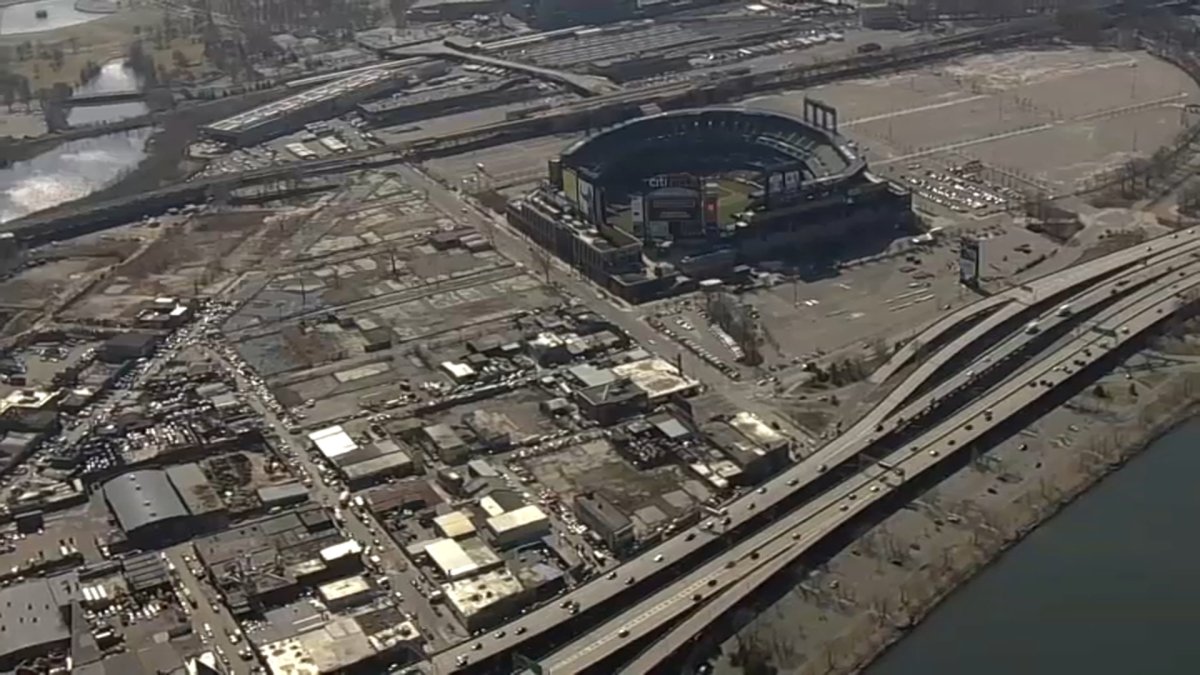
76	169
22	17
114	78
1107	587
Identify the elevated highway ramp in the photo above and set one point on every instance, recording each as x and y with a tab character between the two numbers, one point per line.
720	583
644	568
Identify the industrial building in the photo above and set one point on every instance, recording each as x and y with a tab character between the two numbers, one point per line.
459	559
519	526
638	49
485	600
459	95
361	465
646	209
321	102
348	592
601	516
366	641
610	402
273	560
755	448
452	10
127	346
445	443
29	411
35	619
147	507
562	13
454	525
284	494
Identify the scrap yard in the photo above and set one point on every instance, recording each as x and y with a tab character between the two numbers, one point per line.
566	340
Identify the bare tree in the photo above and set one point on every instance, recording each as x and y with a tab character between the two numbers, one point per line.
543	260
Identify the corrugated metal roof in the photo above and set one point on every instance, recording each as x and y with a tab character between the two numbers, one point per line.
194	489
140	498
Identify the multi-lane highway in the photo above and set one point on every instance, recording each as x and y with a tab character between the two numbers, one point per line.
755	559
1031	292
1155	255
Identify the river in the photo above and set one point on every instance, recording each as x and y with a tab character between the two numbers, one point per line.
114	78
1107	587
77	168
22	18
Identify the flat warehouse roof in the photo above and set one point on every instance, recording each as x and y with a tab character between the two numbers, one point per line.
451	558
333	442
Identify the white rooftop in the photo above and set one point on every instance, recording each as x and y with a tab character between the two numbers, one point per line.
333	441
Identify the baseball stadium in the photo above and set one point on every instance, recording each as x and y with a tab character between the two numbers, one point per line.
653	206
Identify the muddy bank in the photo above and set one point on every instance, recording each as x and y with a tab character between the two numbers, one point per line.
839	616
1180	414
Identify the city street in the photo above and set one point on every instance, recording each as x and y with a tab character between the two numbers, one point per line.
357	523
518	248
207	611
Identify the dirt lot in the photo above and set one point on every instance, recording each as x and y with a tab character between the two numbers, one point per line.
181	256
1094	109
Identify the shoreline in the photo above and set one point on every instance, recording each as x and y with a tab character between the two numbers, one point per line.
870	650
841	615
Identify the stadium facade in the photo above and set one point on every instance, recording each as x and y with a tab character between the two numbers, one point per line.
653	206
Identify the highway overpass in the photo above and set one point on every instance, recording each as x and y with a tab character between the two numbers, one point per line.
646	570
784	540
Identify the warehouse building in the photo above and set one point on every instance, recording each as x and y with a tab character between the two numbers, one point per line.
757	450
485	600
155	507
367	641
284	494
454	525
520	526
456	97
147	508
341	594
601	516
127	346
445	443
290	114
462	559
35	620
199	496
660	379
272	561
361	465
29	411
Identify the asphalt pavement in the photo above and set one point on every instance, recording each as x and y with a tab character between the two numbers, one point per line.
439	628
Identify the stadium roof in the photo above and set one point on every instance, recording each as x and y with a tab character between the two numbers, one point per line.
737	137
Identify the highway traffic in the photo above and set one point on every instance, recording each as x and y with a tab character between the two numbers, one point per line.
778	545
1157	256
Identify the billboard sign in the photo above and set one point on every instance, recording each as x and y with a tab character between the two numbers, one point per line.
969	261
712	210
571	185
774	184
679	207
673	180
791	180
586	198
637	213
